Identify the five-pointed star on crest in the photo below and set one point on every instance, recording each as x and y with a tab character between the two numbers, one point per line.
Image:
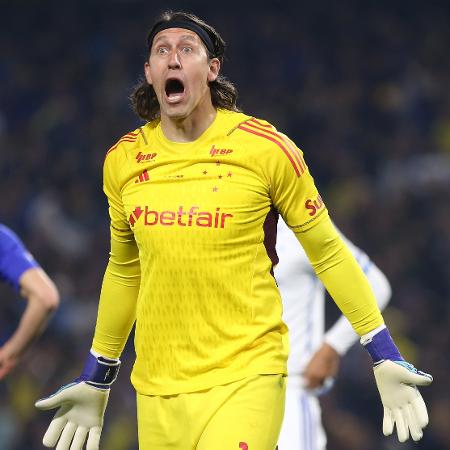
220	176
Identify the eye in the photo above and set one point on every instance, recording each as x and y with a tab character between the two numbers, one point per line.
161	50
187	49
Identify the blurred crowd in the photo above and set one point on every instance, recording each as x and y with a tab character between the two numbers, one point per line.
361	87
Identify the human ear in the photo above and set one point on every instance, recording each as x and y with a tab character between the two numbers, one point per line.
214	69
148	75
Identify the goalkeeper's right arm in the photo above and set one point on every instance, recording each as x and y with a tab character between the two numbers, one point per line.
81	404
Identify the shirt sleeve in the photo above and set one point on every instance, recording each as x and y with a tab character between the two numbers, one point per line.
120	288
15	259
341	335
341	275
292	188
297	199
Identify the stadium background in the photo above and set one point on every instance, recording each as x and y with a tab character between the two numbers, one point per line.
363	87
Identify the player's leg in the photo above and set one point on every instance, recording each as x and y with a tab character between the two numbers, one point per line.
163	423
249	417
302	425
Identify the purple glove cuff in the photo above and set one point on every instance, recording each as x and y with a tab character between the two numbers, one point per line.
100	372
382	347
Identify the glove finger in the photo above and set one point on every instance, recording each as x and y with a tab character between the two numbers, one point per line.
419	378
79	438
402	429
388	422
66	436
420	411
51	402
413	424
56	399
54	430
94	438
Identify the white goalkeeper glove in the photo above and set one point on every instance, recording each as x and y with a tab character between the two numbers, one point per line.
396	382
81	406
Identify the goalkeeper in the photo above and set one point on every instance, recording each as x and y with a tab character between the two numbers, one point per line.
194	196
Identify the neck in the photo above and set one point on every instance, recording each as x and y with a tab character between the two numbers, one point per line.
189	128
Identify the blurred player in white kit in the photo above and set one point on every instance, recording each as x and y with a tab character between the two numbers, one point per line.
314	353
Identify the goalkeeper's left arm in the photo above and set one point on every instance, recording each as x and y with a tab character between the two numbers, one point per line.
396	380
81	404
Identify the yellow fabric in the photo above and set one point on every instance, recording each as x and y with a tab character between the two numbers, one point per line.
242	415
200	217
341	275
120	288
117	307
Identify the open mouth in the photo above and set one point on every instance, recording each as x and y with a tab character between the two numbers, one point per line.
174	89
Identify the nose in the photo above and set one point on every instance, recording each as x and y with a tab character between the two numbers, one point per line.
174	60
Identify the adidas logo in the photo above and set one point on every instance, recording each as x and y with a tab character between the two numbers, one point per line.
144	176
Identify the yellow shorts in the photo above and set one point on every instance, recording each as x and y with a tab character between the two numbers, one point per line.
244	415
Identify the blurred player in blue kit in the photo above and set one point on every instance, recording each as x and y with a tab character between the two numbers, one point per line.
20	270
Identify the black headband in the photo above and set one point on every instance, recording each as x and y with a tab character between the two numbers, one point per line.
197	29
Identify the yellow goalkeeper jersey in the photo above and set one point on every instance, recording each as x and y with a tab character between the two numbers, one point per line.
193	238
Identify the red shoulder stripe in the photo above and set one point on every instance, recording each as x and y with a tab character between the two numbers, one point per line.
270	138
258	122
125	138
289	141
111	150
292	150
295	151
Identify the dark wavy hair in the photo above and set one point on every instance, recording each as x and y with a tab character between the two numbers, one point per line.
223	92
